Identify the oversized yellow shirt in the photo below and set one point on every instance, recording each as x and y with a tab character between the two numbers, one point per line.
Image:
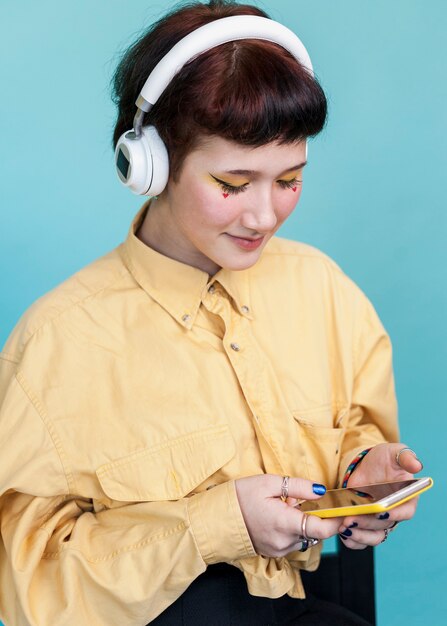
136	392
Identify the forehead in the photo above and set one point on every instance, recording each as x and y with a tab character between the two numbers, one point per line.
271	158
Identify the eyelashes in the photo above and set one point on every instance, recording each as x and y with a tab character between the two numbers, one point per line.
233	190
290	184
229	189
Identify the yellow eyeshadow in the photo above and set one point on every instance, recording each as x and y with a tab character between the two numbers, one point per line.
234	181
293	176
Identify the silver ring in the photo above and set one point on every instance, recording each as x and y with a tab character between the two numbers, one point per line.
387	532
400	452
392	527
308	543
304	544
285	488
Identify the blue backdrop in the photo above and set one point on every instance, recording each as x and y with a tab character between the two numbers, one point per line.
373	198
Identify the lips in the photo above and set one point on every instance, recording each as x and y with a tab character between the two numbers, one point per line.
246	243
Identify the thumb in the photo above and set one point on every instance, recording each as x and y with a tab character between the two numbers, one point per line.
406	459
303	489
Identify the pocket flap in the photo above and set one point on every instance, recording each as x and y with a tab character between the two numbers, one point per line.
169	470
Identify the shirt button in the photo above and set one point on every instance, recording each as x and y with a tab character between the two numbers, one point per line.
211	289
186	317
245	309
235	347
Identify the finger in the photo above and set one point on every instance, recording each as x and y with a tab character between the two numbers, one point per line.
353	545
302	489
320	528
287	532
381	520
408	460
402	512
365	522
313	527
363	537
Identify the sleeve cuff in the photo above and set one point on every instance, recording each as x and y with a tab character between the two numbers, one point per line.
218	526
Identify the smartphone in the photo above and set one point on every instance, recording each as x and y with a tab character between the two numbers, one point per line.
375	498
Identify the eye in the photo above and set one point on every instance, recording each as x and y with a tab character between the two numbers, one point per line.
230	189
289	184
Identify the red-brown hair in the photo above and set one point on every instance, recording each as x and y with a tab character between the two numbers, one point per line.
248	91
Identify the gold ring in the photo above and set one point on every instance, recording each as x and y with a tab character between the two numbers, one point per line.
303	526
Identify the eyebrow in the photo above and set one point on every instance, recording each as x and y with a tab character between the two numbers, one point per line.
251	172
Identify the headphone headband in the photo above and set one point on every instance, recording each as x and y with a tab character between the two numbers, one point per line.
214	34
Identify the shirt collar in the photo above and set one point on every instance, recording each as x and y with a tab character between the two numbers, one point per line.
178	287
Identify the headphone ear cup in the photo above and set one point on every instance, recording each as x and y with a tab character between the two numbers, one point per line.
142	163
160	161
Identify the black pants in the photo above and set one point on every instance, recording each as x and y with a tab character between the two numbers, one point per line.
219	597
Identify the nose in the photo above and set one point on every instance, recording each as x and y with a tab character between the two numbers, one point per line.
260	216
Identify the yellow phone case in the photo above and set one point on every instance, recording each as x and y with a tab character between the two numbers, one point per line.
364	509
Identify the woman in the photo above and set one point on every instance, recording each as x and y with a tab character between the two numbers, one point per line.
164	408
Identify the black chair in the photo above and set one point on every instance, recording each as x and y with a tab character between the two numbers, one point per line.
345	577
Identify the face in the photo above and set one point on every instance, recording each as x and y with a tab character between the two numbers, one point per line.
227	202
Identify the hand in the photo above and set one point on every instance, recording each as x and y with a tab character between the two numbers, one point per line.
274	526
379	466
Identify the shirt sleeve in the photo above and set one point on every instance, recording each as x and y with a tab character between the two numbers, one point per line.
63	562
372	417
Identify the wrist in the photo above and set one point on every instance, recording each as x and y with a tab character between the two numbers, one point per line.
353	465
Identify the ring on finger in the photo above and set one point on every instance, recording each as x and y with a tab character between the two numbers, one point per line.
400	452
308	543
285	488
392	527
303	525
387	532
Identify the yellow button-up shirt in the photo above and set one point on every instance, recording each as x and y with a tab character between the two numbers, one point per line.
134	394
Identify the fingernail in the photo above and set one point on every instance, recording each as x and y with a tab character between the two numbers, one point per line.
346	533
419	460
353	525
384	515
318	489
341	537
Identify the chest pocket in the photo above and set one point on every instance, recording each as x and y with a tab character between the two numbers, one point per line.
321	433
170	470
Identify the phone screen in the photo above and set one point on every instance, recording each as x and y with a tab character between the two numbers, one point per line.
337	498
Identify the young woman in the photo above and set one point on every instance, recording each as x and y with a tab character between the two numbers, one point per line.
163	409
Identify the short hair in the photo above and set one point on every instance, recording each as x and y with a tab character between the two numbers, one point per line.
250	91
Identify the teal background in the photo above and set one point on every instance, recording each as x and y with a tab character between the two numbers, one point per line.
373	198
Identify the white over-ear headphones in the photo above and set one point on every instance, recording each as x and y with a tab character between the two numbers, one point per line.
141	157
